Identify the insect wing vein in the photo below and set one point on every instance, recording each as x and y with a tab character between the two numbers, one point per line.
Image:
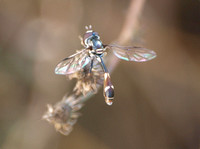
73	63
137	54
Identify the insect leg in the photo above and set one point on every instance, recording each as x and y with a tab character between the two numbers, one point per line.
81	39
91	66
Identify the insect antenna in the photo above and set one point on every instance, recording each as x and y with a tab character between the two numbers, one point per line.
89	27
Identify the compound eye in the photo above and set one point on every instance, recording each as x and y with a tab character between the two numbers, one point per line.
87	35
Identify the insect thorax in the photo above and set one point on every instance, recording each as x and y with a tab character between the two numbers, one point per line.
92	41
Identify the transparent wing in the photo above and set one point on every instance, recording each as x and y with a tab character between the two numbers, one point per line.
137	54
73	63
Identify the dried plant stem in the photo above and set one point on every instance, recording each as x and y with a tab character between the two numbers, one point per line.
131	21
129	28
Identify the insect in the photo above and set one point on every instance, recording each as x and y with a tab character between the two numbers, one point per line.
95	49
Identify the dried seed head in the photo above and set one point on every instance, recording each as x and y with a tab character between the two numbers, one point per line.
88	81
63	115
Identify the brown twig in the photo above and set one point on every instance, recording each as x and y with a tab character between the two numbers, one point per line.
131	22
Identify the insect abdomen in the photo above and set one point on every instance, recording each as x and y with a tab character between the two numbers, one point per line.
108	89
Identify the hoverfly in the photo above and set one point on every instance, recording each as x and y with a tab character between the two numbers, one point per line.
95	49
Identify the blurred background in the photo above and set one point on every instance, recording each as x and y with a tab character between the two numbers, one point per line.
157	104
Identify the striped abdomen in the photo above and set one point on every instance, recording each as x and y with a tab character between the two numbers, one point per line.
108	89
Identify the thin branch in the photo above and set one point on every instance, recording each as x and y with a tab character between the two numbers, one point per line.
131	21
